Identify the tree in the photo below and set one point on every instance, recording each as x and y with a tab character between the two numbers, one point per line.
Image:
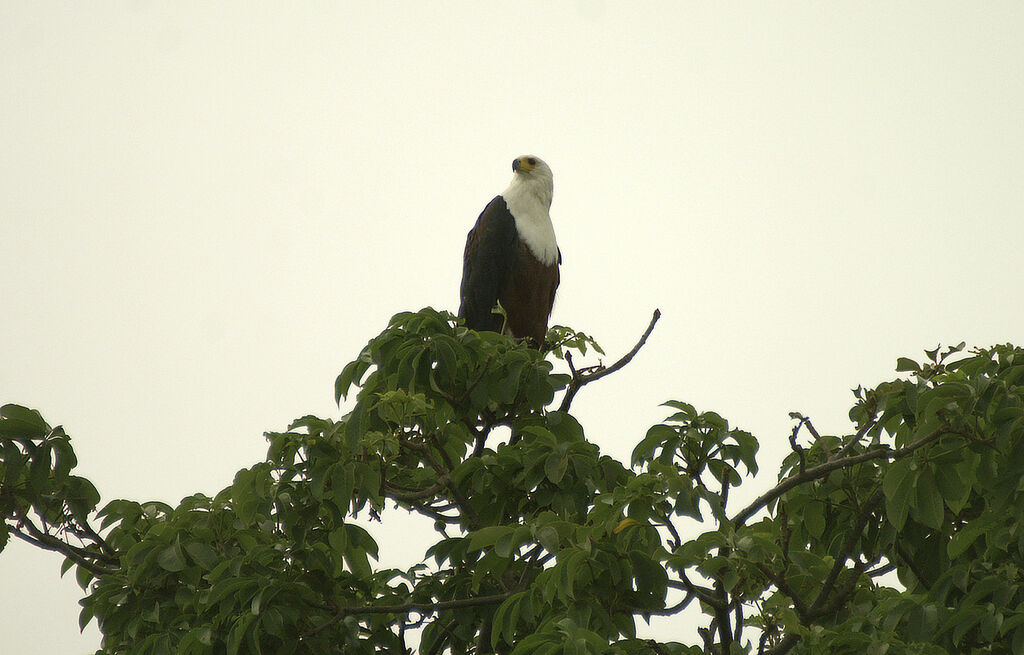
544	545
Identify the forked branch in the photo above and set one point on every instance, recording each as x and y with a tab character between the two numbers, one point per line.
583	378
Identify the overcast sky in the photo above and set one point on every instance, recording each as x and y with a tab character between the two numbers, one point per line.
207	209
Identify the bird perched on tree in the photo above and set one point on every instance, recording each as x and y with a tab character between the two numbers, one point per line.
512	258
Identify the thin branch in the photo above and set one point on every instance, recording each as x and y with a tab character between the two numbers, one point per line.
844	552
80	556
843	593
472	520
656	647
676	539
703	594
579	380
668	611
405	608
430	512
395	493
881	570
909	561
822	470
845	450
84	530
784	646
794	446
780	582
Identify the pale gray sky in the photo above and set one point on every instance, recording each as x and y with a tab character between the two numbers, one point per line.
208	208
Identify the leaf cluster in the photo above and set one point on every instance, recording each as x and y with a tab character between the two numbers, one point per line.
902	536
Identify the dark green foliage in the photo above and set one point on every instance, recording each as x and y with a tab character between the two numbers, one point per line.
543	544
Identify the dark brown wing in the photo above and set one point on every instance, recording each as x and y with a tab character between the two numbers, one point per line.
491	250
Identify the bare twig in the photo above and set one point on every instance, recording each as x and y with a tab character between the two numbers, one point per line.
579	380
794	446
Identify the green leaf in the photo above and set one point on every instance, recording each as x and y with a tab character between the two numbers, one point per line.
651	578
547	536
338	539
203	555
554	467
238	633
904	364
504	622
171	558
930	509
962	540
39	468
85	616
488	536
657	436
351	374
898	487
510	542
17	421
953	486
14	462
272	622
814	518
83	576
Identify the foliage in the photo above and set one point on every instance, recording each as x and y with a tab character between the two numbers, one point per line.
544	545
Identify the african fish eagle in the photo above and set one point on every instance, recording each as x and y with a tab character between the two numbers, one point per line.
511	257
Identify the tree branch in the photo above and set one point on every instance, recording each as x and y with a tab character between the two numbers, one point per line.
822	470
780	582
844	552
784	646
703	594
405	608
395	493
579	380
82	557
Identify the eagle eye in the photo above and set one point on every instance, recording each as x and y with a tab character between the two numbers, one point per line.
532	161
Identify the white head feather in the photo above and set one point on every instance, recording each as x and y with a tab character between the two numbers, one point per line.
529	199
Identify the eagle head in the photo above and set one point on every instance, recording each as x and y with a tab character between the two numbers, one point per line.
532	175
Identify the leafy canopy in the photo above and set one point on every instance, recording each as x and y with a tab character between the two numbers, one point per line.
543	544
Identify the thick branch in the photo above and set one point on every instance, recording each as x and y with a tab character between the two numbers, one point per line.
579	380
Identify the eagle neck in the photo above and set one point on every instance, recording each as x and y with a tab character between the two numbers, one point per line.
529	201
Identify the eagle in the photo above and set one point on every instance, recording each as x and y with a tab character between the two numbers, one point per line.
512	257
